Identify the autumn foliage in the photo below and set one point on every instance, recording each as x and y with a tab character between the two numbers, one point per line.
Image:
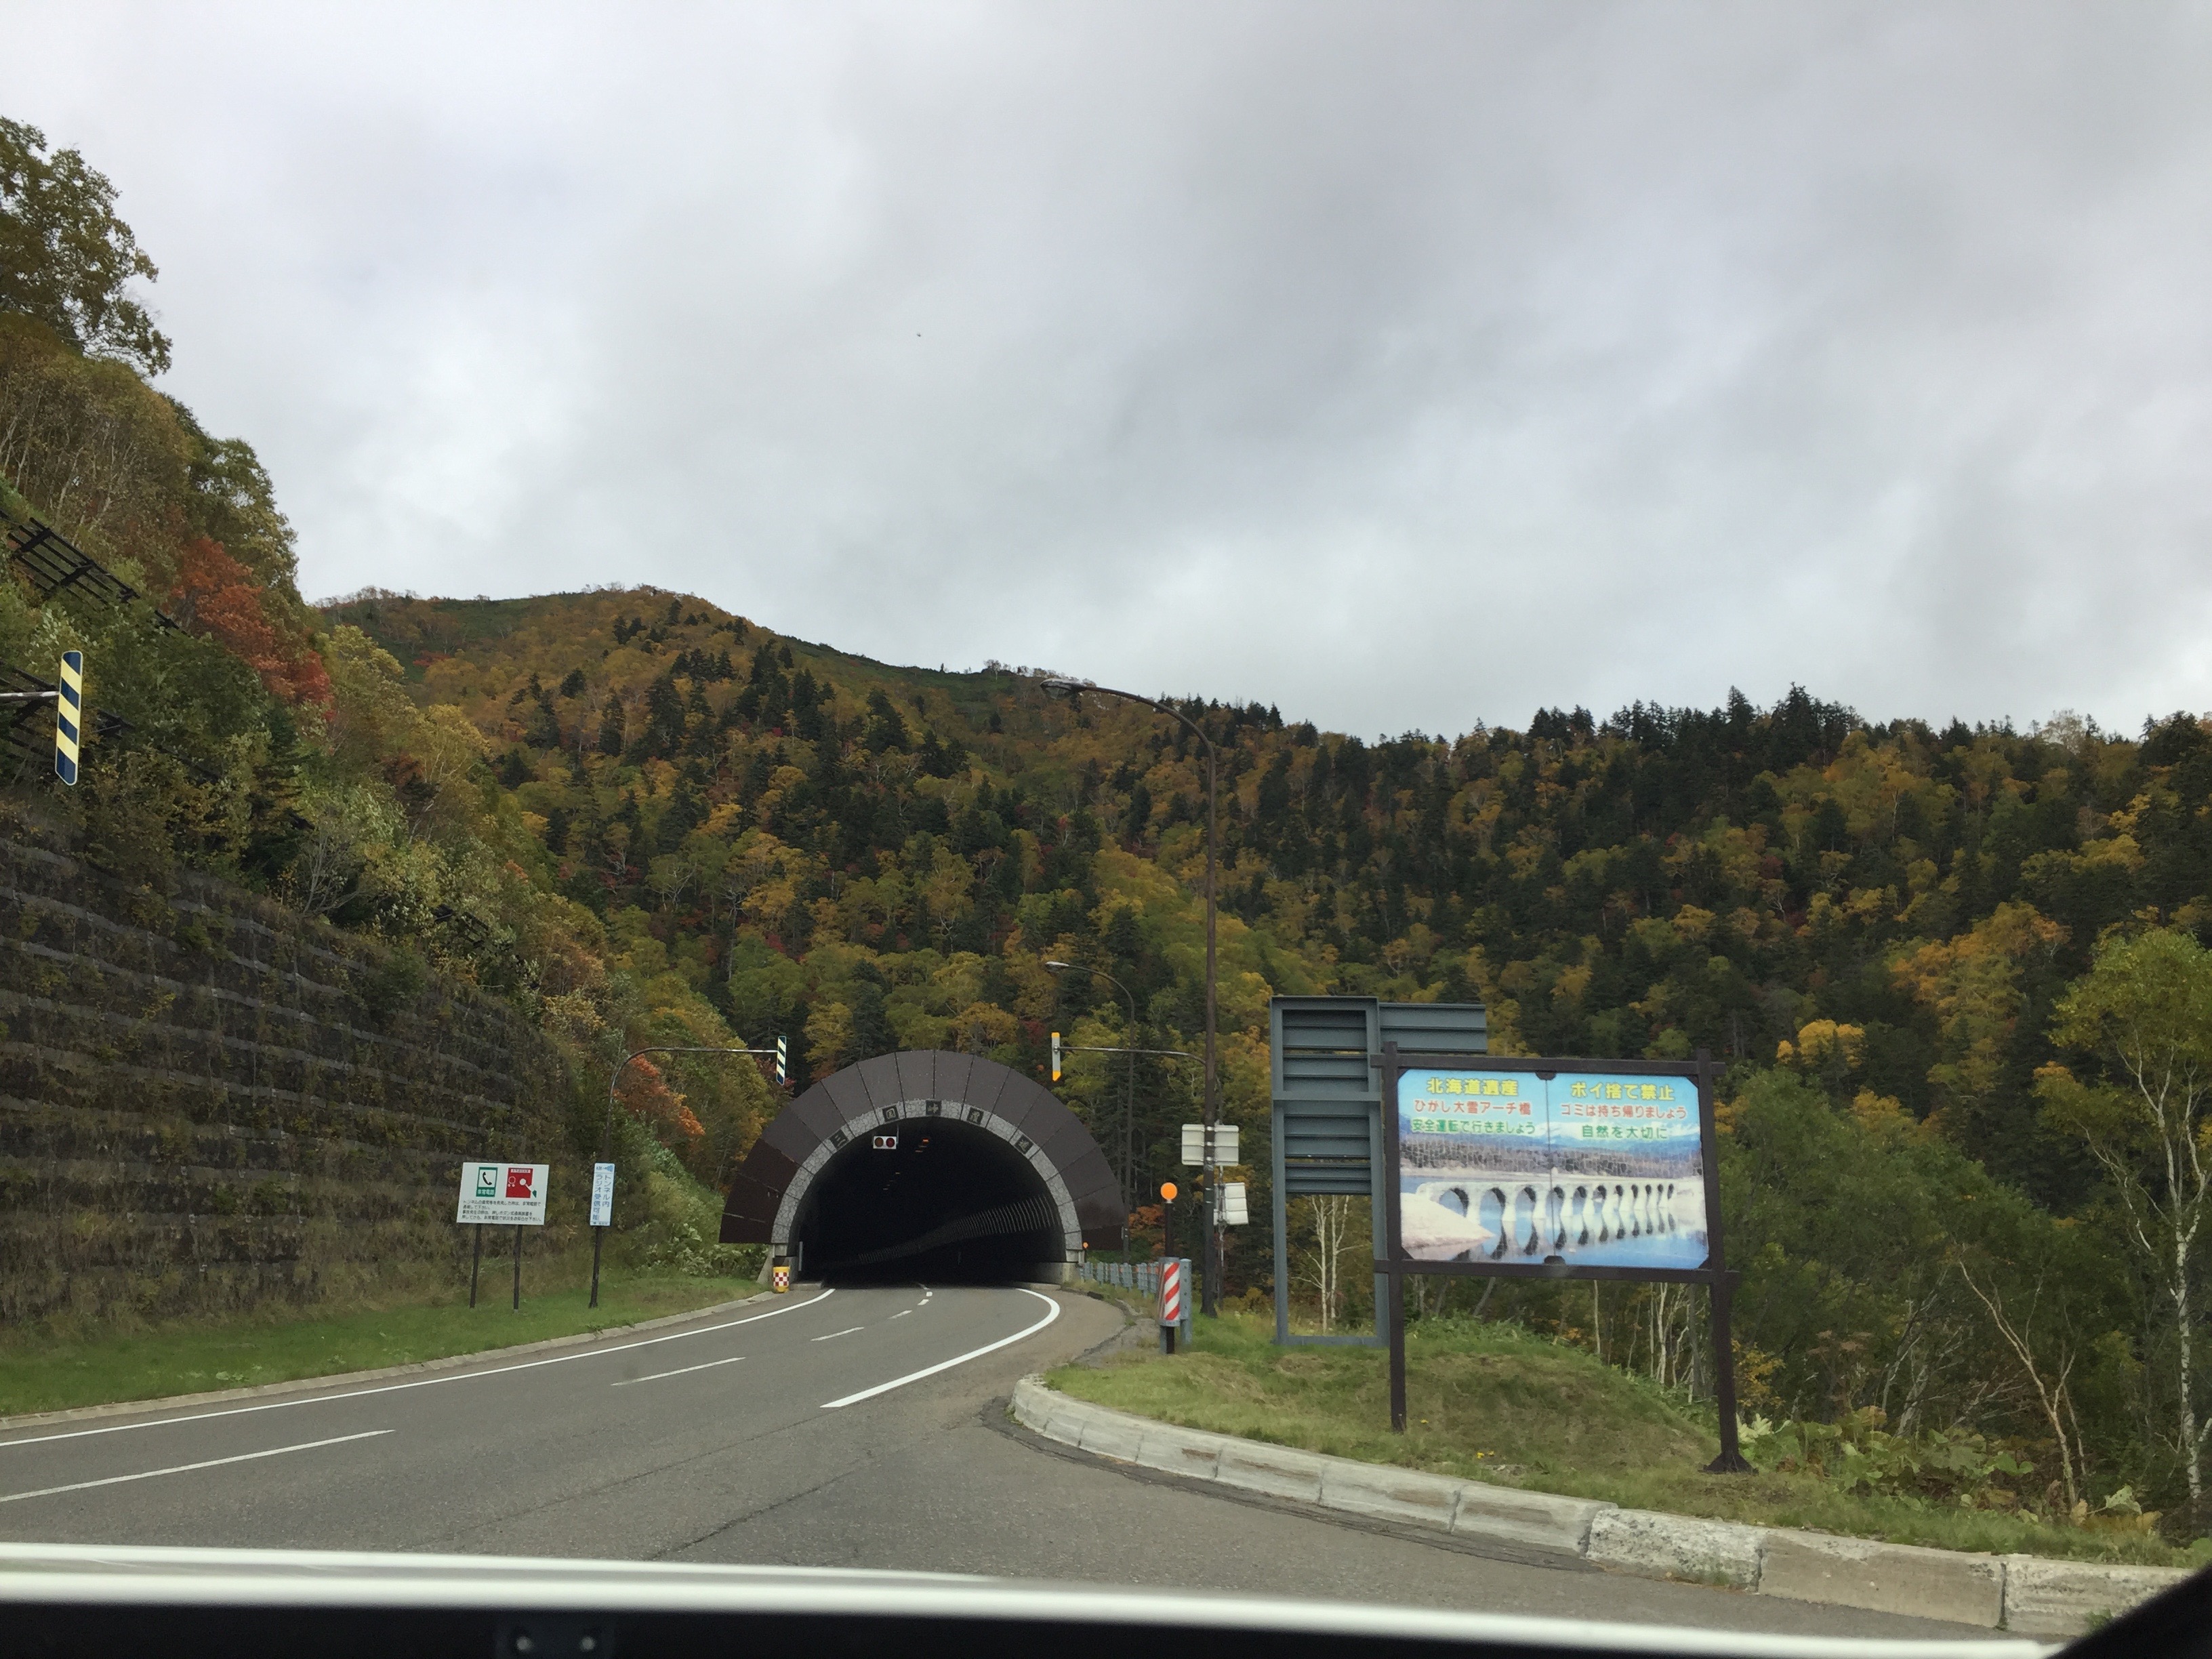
217	596
645	1096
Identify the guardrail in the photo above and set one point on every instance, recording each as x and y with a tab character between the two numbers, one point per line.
1129	1275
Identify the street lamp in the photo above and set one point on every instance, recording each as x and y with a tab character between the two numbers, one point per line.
1129	1094
1072	691
607	1129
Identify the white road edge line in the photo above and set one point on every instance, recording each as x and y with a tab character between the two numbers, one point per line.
962	1359
187	1468
834	1336
681	1370
421	1382
902	1313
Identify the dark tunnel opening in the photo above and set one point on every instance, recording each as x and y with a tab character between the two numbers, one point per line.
949	1202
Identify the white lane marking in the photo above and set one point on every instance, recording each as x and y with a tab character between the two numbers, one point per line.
834	1336
902	1313
423	1383
681	1370
1052	1313
187	1468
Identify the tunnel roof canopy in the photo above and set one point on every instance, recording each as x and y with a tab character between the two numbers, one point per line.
875	1095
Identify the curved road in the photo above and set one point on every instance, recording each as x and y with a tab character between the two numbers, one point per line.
859	1426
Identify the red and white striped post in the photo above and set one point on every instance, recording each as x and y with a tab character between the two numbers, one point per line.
1171	1303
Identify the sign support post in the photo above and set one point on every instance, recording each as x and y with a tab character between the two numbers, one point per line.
1721	1291
1393	1292
517	1266
476	1264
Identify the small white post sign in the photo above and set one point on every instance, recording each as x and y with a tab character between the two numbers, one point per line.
603	1194
503	1194
1234	1212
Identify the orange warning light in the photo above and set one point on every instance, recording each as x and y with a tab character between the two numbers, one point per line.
1168	1191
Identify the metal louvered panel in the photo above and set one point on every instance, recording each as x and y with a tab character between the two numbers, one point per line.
1329	1129
1328	1103
1437	1028
1321	1045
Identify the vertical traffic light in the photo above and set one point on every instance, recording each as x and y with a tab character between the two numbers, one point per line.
68	716
1055	1056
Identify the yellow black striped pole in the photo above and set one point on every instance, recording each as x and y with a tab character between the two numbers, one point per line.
68	716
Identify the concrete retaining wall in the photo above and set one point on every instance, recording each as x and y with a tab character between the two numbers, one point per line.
2021	1593
206	1105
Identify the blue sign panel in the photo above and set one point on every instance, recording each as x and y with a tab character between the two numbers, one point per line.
1592	1170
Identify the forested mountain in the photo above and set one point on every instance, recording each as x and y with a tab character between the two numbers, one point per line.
813	841
1924	952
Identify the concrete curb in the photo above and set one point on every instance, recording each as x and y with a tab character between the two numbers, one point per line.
304	1384
2024	1594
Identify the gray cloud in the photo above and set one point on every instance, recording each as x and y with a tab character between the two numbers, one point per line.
1401	364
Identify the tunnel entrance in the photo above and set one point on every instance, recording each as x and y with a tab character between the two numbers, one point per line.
947	1202
926	1164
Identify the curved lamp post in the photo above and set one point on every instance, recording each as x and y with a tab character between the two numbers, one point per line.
607	1129
1072	690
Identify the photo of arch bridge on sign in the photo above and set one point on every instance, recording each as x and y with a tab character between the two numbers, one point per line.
927	1163
1503	1164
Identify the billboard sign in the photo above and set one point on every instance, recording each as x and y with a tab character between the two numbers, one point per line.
1552	1168
503	1194
1551	1165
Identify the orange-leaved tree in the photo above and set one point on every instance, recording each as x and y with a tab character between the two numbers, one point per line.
217	596
645	1096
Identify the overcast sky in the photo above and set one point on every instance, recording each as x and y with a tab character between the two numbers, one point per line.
1405	365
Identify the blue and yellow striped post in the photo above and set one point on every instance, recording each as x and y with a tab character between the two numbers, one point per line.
68	716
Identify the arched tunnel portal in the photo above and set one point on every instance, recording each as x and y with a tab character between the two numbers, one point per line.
926	1164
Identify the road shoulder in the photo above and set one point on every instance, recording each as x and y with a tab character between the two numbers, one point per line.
338	1379
2015	1593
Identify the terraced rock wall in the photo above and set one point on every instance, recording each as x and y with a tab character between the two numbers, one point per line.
207	1103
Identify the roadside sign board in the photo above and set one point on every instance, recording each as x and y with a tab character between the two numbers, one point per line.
1234	1211
603	1194
1518	1161
1194	1148
1543	1168
504	1194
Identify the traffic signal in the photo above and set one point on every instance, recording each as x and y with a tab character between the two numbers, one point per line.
1055	1056
68	716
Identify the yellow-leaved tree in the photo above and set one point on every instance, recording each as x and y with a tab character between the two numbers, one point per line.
2143	1014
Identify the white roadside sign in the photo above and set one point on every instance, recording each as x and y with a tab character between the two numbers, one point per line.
603	1194
504	1194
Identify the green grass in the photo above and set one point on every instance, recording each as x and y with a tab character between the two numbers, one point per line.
40	1372
1497	1403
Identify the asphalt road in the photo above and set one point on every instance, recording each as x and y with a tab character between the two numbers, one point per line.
863	1427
